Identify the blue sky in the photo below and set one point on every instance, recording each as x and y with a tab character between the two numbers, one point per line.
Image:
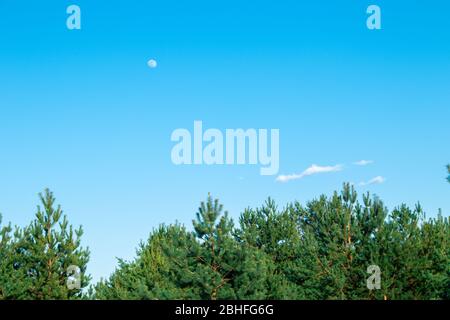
82	114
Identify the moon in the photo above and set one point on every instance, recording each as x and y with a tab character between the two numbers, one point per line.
152	64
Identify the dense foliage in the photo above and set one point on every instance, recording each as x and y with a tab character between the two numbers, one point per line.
318	251
35	262
323	249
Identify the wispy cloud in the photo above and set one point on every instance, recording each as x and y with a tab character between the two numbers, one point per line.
314	169
363	162
376	180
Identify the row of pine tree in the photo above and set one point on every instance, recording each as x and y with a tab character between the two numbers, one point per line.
320	250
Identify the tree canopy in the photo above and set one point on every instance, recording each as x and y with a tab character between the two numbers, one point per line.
321	250
331	247
44	260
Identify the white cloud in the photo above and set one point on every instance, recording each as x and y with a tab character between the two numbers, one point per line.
363	162
314	169
376	180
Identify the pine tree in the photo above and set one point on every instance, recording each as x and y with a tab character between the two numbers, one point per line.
342	238
434	273
5	253
369	243
328	229
322	250
275	233
163	269
214	230
207	263
448	170
46	260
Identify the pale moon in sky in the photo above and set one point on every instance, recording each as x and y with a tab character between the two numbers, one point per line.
152	64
